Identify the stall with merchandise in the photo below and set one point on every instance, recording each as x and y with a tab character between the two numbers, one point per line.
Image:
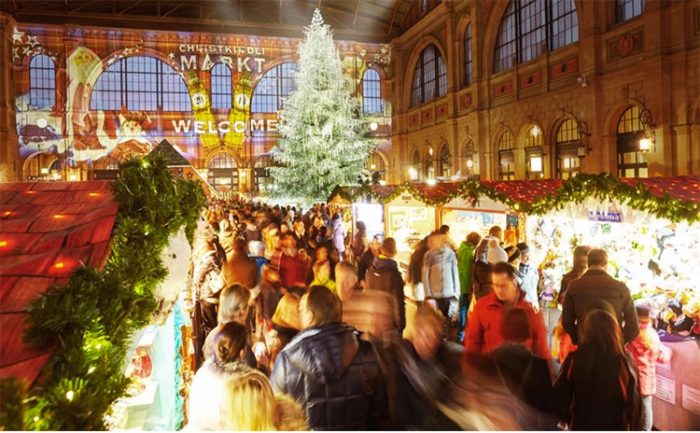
650	229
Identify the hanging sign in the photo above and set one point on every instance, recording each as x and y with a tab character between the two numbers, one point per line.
605	216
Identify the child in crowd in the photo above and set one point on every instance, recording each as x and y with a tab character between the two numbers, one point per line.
647	350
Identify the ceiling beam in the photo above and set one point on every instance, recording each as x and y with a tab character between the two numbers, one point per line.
133	5
393	16
177	6
357	9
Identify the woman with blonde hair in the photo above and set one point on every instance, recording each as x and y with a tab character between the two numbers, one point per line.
249	404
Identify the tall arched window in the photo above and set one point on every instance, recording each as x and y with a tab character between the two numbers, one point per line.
222	172
468	63
42	82
444	161
273	88
140	83
628	9
221	88
568	143
530	26
371	92
429	166
429	77
414	171
261	173
534	153
630	161
506	157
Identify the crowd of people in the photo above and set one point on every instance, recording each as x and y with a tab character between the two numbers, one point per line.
301	324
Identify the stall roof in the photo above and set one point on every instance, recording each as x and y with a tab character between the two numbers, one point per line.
46	231
525	191
172	157
685	188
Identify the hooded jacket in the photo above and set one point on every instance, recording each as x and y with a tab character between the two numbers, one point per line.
335	376
440	275
384	275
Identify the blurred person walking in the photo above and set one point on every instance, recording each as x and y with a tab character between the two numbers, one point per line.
465	263
332	373
384	276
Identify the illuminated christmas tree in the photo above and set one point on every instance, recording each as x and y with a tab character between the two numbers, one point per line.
322	142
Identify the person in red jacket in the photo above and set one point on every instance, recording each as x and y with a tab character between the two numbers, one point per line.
484	334
293	268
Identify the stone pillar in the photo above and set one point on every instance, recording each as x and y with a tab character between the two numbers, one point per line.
10	165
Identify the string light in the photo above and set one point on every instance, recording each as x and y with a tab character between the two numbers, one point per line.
70	395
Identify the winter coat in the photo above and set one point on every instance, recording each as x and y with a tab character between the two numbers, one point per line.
364	264
338	234
646	350
482	282
484	327
585	295
207	279
572	275
440	275
465	263
335	376
526	376
598	391
292	270
384	276
372	312
529	282
240	269
417	385
360	244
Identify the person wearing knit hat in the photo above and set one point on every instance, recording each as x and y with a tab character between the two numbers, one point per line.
513	256
496	253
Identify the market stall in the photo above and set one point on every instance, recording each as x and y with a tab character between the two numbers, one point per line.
85	295
651	239
464	216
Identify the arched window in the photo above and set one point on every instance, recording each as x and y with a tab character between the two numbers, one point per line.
628	9
630	161
140	83
534	153
568	143
221	93
222	172
530	26
261	173
273	88
414	170
444	161
372	92
375	165
468	63
429	77
506	157
429	166
42	82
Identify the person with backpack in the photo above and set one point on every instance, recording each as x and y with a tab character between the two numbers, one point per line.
598	385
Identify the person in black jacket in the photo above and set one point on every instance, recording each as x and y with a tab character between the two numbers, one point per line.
333	374
365	261
384	275
595	289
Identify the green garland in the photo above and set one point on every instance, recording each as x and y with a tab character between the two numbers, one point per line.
90	321
574	190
